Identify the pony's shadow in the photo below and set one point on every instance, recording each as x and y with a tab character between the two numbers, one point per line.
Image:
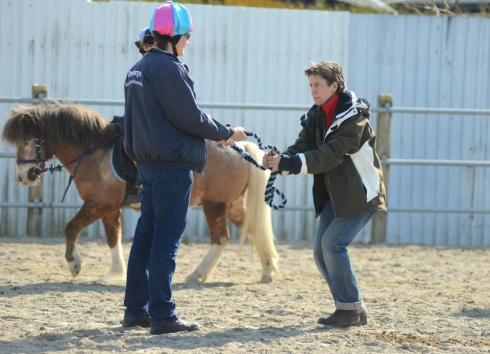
473	313
49	287
94	286
201	286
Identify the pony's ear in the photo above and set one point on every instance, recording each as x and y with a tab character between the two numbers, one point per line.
27	120
29	124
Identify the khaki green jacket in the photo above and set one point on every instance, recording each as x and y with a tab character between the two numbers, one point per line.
343	160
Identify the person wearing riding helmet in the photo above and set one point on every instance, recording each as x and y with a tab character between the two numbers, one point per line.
336	145
165	135
145	41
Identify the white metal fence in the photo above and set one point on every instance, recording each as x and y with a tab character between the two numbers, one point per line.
248	56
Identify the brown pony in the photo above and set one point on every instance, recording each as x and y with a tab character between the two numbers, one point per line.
229	188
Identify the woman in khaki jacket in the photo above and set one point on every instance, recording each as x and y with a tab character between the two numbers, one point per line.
336	145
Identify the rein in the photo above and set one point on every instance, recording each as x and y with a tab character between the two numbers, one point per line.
79	159
270	190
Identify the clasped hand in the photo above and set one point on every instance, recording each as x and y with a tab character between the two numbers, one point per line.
271	161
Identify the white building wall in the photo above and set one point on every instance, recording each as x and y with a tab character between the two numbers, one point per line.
83	50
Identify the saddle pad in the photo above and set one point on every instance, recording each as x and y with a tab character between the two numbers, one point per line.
122	166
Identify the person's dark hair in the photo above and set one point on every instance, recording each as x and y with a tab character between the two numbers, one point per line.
330	71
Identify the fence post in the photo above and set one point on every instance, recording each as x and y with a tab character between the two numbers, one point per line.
35	215
383	127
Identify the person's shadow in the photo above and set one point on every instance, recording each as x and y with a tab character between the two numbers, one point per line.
136	339
473	313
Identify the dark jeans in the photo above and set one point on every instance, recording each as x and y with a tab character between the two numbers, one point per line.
164	205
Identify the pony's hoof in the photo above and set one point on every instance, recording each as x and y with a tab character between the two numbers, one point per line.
193	278
75	268
116	275
266	279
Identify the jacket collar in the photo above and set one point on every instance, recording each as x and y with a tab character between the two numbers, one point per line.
348	106
161	51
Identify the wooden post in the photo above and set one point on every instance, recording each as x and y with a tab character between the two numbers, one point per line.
383	127
35	215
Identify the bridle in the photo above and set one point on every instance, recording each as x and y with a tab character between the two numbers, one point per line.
38	159
35	172
40	146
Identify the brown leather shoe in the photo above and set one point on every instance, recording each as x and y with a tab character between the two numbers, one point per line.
344	318
177	326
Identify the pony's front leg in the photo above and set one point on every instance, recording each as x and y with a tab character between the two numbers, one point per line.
112	227
85	216
216	219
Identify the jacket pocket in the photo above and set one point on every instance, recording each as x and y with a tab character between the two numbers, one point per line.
346	186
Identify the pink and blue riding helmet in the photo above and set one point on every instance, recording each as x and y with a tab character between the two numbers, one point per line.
171	19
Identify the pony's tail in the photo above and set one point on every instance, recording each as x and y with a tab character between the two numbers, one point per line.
257	223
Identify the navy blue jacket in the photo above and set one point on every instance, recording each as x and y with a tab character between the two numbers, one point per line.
163	124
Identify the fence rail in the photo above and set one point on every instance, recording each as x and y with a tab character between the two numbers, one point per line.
429	162
258	106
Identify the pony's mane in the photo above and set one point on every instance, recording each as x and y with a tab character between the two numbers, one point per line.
59	125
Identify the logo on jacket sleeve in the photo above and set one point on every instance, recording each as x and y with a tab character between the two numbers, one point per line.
133	78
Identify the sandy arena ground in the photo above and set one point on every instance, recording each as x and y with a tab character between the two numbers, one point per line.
420	300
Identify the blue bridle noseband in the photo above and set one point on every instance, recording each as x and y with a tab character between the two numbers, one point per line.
38	159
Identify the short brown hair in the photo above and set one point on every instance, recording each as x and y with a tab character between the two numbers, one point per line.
330	71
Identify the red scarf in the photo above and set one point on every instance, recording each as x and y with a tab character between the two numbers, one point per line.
329	108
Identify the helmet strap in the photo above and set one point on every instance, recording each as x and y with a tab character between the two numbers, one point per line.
174	41
174	48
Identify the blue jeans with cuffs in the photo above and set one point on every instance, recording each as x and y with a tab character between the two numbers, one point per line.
333	235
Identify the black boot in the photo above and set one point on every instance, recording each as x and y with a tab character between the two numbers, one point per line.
132	196
132	200
177	326
344	318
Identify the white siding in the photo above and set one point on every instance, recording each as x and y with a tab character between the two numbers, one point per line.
430	62
83	50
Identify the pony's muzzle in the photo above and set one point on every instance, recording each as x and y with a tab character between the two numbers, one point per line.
34	173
